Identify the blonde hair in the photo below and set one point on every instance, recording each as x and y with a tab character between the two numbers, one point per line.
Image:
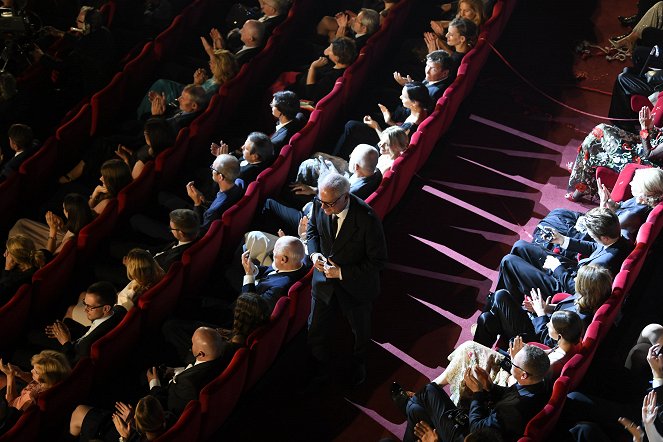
396	138
142	268
55	367
477	7
223	66
23	251
593	284
648	183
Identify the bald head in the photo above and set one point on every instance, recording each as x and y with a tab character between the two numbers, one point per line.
206	344
288	253
252	33
228	166
335	183
364	160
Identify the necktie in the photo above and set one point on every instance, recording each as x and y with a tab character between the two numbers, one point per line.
334	225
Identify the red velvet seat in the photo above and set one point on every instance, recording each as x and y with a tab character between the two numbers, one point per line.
49	282
301	141
237	219
108	12
159	302
381	200
14	316
26	428
219	397
166	43
136	194
74	137
618	181
543	423
265	343
168	164
141	71
274	178
38	171
300	305
10	189
107	105
98	231
199	259
655	215
187	427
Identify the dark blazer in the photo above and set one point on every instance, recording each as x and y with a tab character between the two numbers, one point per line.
513	407
282	136
359	250
245	56
80	348
435	90
272	287
13	163
175	395
169	254
363	187
608	257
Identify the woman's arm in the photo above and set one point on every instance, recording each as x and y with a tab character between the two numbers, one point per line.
55	224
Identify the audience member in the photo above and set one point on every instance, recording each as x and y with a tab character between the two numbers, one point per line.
22	260
348	24
438	77
22	143
393	142
285	108
505	409
147	422
251	35
115	175
461	36
257	155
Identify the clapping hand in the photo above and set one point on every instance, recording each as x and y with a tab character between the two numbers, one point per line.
124	153
58	331
386	115
636	431
402	80
655	360
424	432
515	346
124	411
219	149
54	222
646	118
538	304
195	194
370	122
431	41
200	76
342	19
249	268
8	369
303	225
159	104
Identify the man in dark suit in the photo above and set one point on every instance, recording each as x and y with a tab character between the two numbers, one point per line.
72	338
285	108
503	409
251	36
185	227
21	142
347	247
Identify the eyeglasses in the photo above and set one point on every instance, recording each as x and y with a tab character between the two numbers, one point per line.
90	307
215	171
520	368
329	205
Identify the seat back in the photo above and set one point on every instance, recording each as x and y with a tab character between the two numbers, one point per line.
94	234
73	137
274	178
199	259
14	316
137	193
26	428
49	282
237	219
160	301
300	305
187	427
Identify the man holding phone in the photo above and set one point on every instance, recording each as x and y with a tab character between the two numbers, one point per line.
347	247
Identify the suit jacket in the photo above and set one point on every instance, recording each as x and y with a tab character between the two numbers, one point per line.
246	55
363	187
513	407
174	396
608	257
80	348
435	90
170	254
282	136
359	250
12	164
274	286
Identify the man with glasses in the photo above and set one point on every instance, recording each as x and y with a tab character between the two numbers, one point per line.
347	247
503	409
70	337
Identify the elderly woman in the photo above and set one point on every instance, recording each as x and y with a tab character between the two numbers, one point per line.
223	66
647	190
48	368
56	232
22	260
613	147
393	142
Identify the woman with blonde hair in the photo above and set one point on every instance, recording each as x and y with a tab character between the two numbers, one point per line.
48	368
143	273
22	260
393	142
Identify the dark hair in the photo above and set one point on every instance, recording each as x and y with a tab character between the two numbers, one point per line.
440	57
568	325
262	145
287	103
116	175
345	49
251	311
466	28
416	91
149	415
535	361
197	94
602	222
92	17
79	213
21	135
105	291
7	86
186	221
160	133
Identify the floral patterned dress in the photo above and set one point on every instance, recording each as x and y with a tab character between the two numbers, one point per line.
612	147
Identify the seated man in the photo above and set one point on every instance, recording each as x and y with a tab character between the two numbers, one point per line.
252	38
504	409
183	385
22	142
72	338
257	155
285	108
270	283
438	77
532	266
192	102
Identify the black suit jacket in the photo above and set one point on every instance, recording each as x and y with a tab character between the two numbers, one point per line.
359	250
175	395
608	257
282	136
80	348
274	286
363	187
170	254
245	56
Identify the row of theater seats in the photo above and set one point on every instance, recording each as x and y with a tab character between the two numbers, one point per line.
574	370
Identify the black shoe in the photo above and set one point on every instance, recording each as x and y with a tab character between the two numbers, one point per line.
358	375
399	396
616	38
628	21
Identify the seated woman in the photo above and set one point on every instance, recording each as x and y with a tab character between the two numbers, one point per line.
159	136
472	10
115	175
22	260
393	142
461	36
565	330
223	66
415	98
612	147
507	318
49	367
322	75
56	231
143	272
647	190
